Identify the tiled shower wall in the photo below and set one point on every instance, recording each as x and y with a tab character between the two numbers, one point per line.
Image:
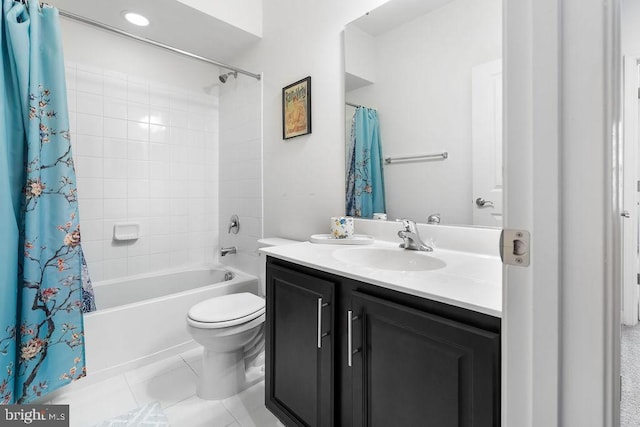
145	152
241	169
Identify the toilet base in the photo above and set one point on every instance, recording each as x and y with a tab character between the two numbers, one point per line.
224	375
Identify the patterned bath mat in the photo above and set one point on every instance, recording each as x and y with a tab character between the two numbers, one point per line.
150	415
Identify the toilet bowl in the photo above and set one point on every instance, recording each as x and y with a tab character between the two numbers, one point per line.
230	328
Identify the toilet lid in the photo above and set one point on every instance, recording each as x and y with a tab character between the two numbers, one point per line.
232	309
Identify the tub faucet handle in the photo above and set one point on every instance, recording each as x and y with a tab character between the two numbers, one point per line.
234	224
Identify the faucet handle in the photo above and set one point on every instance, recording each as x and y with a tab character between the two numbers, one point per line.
408	224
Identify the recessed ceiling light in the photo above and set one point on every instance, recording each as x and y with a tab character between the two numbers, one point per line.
135	18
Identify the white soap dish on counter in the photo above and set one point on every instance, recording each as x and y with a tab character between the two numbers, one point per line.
357	239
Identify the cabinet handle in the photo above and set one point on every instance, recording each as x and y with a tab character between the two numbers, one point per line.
350	351
320	334
319	322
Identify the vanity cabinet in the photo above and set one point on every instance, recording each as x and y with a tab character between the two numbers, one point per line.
299	355
387	358
413	368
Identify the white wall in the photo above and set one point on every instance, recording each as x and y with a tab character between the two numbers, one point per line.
304	176
423	97
630	30
241	170
245	14
145	135
359	58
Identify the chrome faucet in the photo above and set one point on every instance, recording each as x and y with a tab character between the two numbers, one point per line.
434	219
412	240
229	250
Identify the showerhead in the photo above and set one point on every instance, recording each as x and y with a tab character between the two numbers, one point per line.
223	77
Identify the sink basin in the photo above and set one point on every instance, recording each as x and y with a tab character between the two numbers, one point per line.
389	259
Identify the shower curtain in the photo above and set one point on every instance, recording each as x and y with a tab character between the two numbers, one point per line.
42	297
365	181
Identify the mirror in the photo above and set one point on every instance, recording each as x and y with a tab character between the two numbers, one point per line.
432	71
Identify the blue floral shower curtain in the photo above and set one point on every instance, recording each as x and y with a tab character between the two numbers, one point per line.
365	180
42	297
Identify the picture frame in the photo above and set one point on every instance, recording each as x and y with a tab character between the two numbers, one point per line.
296	109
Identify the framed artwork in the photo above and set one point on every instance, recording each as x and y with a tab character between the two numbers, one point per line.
296	109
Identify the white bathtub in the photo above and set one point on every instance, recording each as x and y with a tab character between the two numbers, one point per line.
142	319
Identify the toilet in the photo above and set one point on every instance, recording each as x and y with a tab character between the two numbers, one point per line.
231	330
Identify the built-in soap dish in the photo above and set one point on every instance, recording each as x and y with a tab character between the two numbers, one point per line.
123	231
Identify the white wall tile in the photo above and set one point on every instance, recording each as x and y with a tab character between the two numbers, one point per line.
145	152
113	268
113	249
91	209
138	131
159	152
137	265
115	128
137	189
179	119
115	208
159	116
88	145
138	248
115	188
115	148
159	133
71	100
137	150
115	107
91	188
70	76
137	92
88	124
89	103
160	95
158	189
89	167
137	169
138	207
92	229
159	170
89	82
115	168
115	87
138	112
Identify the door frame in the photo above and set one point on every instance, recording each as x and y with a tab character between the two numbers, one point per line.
561	315
631	89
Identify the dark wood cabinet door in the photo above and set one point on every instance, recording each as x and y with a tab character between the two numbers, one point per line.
299	348
412	368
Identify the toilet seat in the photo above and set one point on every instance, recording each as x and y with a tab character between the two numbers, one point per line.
227	310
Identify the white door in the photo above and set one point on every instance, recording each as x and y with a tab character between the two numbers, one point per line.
629	222
486	141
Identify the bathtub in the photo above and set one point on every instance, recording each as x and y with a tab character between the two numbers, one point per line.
141	319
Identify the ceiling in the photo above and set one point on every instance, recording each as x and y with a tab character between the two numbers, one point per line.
171	23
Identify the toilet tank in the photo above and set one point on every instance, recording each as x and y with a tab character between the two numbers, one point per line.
267	243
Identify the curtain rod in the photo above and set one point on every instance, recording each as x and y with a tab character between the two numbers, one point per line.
102	26
357	105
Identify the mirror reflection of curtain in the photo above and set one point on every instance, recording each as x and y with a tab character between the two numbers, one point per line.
365	181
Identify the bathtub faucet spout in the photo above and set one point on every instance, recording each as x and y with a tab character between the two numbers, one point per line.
229	250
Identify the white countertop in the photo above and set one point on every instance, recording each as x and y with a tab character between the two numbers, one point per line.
468	280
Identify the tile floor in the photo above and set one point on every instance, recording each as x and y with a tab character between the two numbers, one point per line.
172	382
